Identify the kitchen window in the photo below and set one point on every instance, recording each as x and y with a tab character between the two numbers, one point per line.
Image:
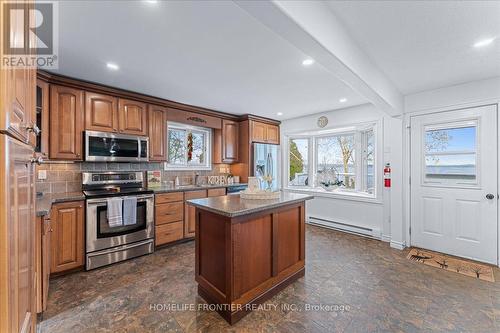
188	147
340	161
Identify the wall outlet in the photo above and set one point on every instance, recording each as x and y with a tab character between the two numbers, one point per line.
42	174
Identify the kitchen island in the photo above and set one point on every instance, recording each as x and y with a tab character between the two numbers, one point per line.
247	250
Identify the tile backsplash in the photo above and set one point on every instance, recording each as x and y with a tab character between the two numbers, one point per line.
67	176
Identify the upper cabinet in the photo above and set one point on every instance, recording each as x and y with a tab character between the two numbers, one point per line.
226	142
132	117
265	133
157	133
66	123
101	112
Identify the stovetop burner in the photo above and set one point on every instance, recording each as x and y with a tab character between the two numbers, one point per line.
115	191
113	183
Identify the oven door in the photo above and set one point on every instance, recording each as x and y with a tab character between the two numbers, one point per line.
110	147
101	236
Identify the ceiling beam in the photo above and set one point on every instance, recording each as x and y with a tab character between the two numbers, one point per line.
313	28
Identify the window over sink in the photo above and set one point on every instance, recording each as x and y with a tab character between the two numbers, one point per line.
188	147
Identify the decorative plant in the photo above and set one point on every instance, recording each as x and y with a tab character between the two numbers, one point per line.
330	183
190	147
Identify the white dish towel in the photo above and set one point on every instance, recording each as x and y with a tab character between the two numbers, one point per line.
115	218
130	211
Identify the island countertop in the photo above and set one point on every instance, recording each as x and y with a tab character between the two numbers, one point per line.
233	205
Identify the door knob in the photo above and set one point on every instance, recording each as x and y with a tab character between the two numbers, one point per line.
490	196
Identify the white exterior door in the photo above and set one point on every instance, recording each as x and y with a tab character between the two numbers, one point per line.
454	182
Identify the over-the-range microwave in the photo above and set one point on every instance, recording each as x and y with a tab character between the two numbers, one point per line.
111	147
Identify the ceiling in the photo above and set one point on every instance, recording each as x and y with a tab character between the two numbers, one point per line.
423	45
209	54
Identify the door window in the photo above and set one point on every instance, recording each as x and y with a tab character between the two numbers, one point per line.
451	153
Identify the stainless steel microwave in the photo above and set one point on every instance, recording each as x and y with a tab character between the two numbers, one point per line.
111	147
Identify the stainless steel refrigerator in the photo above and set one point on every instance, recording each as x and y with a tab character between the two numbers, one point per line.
266	162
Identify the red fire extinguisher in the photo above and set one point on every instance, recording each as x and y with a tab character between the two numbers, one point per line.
387	175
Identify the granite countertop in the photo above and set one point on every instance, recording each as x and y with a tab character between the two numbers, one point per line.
44	202
184	188
233	205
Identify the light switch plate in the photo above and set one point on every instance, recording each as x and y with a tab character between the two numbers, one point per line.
42	174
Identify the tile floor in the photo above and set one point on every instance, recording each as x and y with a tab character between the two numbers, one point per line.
379	289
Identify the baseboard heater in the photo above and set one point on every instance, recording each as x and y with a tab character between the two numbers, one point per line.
345	227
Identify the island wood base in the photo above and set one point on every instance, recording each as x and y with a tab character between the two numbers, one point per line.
247	259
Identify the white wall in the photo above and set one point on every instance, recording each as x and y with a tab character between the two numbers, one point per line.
390	213
374	214
457	96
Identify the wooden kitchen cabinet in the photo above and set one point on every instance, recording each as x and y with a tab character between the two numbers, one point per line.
169	217
190	211
264	133
67	243
216	192
17	84
157	133
101	112
66	123
226	142
43	234
132	117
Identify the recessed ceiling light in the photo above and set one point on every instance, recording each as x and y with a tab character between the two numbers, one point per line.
112	66
343	100
484	42
152	1
279	113
308	62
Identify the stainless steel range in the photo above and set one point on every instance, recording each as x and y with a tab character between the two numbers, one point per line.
107	242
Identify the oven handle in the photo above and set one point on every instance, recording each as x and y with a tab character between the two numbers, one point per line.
123	247
101	201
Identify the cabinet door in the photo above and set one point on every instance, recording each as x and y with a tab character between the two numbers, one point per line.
157	133
66	123
132	117
230	131
101	112
42	117
67	236
17	271
190	211
46	243
272	134
258	131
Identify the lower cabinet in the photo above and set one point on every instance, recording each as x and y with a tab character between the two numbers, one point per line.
169	217
169	232
174	219
67	239
189	214
43	233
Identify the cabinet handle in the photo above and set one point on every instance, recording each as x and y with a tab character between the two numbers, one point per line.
33	128
38	160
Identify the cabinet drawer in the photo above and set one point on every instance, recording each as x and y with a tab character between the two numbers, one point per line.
167	233
216	192
196	194
169	212
169	197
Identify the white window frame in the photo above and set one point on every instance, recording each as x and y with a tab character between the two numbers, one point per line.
360	145
208	146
